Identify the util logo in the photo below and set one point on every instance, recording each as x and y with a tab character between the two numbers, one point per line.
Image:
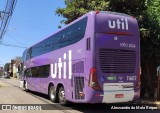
62	67
119	24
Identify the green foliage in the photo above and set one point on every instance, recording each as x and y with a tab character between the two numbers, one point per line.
6	67
131	7
150	32
154	9
77	8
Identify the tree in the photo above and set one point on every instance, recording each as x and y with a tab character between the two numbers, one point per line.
18	60
150	44
77	8
148	16
6	67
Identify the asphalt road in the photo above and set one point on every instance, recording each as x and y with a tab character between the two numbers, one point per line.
11	94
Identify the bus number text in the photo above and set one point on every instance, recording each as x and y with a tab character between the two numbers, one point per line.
131	78
131	45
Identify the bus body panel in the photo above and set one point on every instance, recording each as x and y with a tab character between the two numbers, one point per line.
117	57
80	57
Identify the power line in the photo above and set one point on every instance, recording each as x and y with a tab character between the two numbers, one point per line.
12	45
10	5
13	39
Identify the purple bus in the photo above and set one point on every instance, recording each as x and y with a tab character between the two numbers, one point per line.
94	59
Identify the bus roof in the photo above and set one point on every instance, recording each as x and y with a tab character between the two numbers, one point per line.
87	14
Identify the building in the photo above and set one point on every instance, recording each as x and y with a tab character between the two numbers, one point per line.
14	68
1	71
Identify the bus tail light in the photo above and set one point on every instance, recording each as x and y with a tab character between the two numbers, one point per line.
98	95
81	94
139	77
93	81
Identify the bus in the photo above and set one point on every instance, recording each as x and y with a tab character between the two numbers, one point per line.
94	59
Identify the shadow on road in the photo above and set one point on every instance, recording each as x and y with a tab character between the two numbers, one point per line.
40	95
87	108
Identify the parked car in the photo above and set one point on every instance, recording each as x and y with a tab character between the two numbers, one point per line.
7	75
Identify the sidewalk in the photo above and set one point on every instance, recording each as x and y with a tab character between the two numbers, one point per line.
2	84
150	102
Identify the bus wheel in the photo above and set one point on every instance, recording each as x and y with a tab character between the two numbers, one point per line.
52	94
61	96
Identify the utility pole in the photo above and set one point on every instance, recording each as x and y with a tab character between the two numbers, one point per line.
5	16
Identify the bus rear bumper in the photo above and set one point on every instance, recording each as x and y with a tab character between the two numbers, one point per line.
118	96
118	92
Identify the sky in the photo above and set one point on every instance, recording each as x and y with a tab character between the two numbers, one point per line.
32	21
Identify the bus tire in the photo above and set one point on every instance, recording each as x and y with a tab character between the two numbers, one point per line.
61	96
52	94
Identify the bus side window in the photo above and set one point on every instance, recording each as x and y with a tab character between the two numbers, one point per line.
27	72
35	71
46	70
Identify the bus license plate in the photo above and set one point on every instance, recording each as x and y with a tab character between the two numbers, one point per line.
119	95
